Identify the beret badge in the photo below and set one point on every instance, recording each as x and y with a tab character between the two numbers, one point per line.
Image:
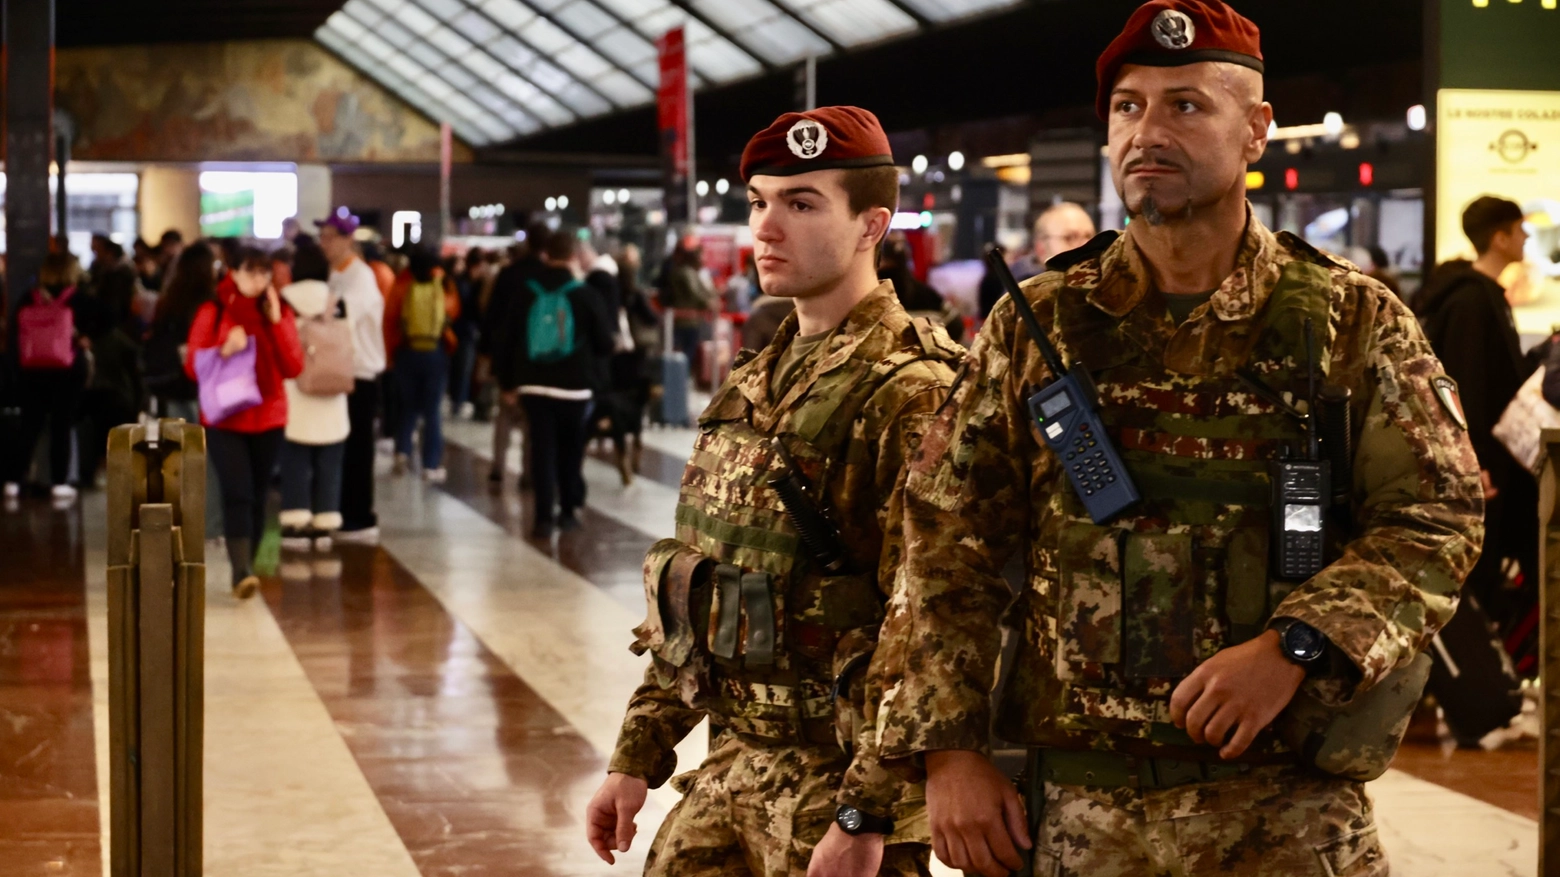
807	139
1174	29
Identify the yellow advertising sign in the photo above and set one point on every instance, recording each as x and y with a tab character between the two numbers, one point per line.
1507	144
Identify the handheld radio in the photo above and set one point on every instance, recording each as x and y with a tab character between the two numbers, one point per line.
1067	413
1302	492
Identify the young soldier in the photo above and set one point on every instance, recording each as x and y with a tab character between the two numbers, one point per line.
763	613
1158	644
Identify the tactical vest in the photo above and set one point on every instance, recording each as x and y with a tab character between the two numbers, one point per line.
1143	600
739	618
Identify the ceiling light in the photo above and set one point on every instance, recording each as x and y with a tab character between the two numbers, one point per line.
1416	117
918	165
956	161
1333	122
563	202
703	188
623	196
551	204
722	186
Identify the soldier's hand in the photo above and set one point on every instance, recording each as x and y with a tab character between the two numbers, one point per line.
1233	695
977	818
841	855
609	818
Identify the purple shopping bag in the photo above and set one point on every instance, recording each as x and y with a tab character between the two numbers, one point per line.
227	386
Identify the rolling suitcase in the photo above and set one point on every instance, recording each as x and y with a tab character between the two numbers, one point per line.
1471	675
671	370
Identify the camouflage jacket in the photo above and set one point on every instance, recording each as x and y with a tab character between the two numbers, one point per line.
863	489
984	486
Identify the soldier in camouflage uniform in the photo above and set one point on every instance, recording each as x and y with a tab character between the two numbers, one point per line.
1155	673
748	623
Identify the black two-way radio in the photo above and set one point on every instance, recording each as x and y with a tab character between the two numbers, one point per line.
1068	416
1302	487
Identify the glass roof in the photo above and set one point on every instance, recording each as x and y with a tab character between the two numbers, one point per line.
496	70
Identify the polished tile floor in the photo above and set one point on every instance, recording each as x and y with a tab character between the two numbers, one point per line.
443	704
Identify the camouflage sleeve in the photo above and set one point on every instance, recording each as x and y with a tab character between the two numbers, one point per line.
917	391
1419	513
966	508
656	722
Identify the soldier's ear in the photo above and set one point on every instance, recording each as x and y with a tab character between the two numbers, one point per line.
875	228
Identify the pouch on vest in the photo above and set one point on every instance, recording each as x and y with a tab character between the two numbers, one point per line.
742	618
676	581
1089	562
1159	584
1358	740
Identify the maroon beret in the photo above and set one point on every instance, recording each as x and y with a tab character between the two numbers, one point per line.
821	139
1173	33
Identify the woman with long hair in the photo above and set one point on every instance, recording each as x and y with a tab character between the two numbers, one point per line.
194	283
244	445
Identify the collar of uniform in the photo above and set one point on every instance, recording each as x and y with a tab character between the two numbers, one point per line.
867	313
1121	281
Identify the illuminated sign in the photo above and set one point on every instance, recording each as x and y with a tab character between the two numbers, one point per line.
1506	144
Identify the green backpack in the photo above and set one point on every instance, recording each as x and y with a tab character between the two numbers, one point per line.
550	323
424	315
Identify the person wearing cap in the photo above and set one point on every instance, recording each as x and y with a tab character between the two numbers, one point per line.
353	283
1180	698
766	633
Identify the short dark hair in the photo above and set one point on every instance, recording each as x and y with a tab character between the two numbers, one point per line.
563	244
309	262
421	261
1486	216
870	187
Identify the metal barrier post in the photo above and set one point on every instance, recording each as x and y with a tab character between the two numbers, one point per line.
1549	657
156	633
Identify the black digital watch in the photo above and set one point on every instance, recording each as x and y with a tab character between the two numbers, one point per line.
1301	643
854	822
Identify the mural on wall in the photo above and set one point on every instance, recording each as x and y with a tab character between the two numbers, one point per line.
265	100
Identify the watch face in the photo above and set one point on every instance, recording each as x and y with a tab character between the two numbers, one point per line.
1304	642
850	819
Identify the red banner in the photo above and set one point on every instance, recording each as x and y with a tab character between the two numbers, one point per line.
672	112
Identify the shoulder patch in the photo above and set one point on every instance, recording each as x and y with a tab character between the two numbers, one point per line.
1446	391
935	340
1096	245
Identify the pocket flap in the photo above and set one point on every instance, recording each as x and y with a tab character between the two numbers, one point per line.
672	571
1089	561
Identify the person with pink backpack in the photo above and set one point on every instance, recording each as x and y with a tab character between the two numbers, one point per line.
51	373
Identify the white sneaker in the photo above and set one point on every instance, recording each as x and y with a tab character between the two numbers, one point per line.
63	493
435	476
365	536
12	490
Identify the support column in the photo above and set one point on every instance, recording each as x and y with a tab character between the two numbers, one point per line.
29	98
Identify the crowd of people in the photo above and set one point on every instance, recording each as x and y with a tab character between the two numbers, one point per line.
302	361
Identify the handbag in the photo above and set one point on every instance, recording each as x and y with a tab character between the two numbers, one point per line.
1522	424
227	385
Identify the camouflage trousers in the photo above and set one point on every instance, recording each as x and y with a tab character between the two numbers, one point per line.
757	808
1279	822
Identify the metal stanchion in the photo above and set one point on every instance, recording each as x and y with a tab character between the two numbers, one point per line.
156	631
1549	657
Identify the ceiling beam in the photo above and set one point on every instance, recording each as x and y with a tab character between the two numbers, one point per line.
724	34
794	15
553	20
541	123
472	7
921	21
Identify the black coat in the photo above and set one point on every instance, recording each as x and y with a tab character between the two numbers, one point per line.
512	365
1470	326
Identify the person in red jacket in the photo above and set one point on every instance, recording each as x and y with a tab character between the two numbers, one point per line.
243	448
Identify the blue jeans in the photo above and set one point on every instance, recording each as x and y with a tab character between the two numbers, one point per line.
422	375
311	477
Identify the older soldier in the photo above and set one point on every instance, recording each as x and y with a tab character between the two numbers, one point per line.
1158	645
763	612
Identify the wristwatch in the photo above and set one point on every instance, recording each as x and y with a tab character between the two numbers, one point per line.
855	822
1300	642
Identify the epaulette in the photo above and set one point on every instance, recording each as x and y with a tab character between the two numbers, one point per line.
936	341
1096	245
